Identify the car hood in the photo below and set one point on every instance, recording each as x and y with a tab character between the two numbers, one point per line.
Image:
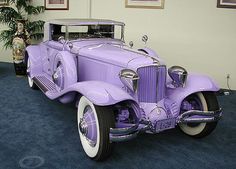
112	53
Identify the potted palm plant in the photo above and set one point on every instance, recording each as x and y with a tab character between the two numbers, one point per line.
18	17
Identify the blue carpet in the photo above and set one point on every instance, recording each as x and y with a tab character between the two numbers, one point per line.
32	125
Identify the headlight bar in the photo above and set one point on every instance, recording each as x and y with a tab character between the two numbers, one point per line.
179	75
129	78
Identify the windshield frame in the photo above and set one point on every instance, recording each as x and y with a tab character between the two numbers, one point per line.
67	33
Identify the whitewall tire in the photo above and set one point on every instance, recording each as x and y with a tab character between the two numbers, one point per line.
208	102
31	83
94	125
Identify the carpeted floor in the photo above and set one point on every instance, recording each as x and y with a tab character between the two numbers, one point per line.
33	126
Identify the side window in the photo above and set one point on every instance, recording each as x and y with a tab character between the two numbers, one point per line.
118	32
102	31
75	32
56	32
106	31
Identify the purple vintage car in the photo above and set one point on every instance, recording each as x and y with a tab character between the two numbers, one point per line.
119	91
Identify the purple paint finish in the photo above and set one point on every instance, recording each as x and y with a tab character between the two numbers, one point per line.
91	67
151	85
97	52
161	83
195	83
147	84
98	92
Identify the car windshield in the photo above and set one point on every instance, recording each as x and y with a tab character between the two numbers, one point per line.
87	31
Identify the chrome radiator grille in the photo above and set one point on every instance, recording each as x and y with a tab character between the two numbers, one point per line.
151	85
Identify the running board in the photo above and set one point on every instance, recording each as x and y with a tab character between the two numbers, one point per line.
44	84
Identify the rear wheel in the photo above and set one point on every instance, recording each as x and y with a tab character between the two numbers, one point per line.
94	123
31	83
205	101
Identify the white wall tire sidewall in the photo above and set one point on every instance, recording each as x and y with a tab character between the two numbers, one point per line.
30	80
192	131
89	150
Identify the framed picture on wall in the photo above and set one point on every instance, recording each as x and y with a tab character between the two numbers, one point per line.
3	2
226	3
56	4
150	4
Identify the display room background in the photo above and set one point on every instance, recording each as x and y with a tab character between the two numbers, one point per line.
194	34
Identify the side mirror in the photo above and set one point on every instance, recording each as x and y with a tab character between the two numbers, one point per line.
145	39
131	44
61	39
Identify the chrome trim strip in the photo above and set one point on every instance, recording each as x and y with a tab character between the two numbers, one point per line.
200	120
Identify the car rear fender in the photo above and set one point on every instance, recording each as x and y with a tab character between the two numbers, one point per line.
33	52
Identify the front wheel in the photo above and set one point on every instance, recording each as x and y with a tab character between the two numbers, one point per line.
94	123
204	101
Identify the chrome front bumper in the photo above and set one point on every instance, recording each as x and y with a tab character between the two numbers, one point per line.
130	131
196	116
124	134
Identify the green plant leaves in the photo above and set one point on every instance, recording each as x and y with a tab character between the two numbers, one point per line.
7	37
8	15
31	10
35	26
36	36
20	9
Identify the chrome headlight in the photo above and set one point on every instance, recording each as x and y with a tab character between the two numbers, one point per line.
129	78
178	75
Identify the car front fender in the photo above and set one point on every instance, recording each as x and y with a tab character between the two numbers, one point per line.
98	92
194	84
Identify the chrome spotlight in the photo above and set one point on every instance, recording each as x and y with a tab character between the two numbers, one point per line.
179	75
145	39
129	78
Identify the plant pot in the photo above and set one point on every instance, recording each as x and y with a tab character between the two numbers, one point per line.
20	69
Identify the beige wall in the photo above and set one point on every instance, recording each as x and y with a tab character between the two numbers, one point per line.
190	33
78	8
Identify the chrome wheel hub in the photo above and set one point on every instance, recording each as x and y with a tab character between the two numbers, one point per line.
88	127
83	127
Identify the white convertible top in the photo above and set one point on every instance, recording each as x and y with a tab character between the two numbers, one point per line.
84	22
